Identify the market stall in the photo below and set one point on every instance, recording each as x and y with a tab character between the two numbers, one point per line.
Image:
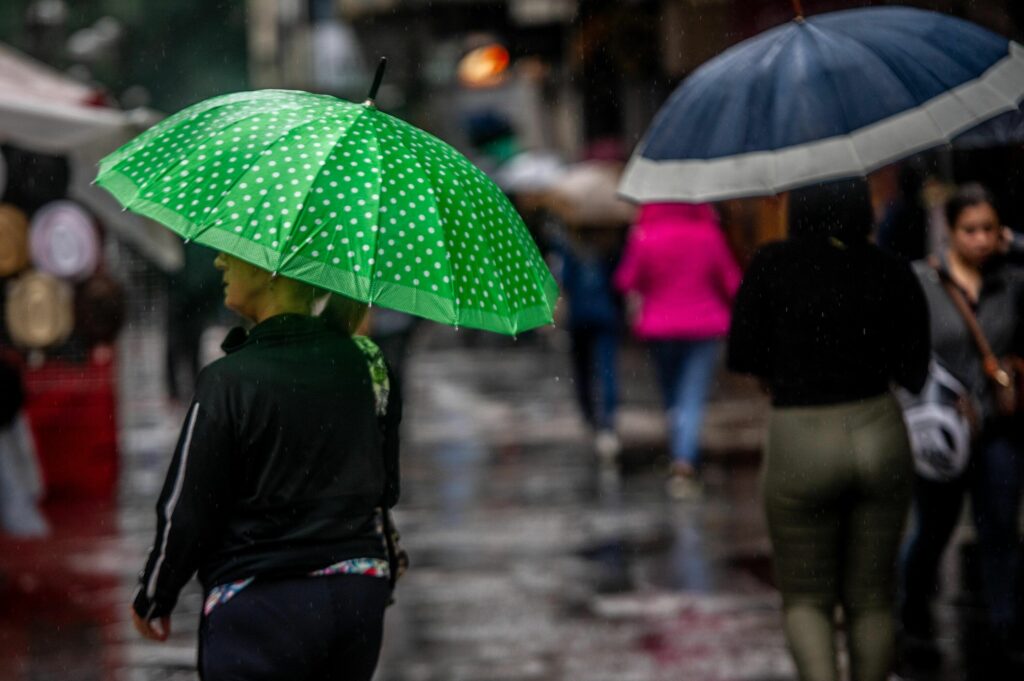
67	258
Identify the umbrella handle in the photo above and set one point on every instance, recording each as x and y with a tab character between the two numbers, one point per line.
798	9
377	78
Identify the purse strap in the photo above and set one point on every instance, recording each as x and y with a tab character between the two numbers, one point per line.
989	362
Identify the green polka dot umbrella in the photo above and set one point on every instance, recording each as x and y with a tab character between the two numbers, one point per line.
342	196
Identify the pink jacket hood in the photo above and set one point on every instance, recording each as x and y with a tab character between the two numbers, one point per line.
676	214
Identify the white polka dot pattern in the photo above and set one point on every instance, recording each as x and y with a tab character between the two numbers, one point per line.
343	196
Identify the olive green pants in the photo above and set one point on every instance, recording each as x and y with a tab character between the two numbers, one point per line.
837	482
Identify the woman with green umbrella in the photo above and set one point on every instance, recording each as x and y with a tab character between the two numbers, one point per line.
287	463
278	492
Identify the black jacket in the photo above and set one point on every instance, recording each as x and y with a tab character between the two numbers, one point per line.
823	322
280	467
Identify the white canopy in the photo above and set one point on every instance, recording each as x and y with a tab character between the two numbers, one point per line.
44	111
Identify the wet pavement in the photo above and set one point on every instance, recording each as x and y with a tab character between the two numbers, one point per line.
530	561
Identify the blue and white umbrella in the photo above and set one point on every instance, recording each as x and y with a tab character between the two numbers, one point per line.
826	97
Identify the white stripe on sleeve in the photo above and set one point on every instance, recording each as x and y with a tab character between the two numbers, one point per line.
179	482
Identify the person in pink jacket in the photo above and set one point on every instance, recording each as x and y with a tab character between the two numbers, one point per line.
679	266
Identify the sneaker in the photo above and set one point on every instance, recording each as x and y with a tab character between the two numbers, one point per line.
607	445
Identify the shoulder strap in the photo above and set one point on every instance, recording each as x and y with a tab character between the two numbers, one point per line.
988	359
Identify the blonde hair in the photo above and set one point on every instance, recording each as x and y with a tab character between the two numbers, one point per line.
342	313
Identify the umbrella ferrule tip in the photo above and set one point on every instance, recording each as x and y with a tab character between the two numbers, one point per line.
370	104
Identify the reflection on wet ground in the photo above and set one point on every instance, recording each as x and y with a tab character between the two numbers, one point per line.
530	560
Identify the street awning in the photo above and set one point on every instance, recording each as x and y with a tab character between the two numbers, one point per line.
44	111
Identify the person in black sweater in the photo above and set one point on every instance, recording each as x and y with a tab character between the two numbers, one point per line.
829	321
278	493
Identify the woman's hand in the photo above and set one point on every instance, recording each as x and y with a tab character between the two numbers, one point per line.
147	628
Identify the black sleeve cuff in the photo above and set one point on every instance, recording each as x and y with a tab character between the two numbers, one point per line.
150	608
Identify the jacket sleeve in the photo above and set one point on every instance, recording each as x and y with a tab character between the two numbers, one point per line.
911	334
1017	348
749	346
192	504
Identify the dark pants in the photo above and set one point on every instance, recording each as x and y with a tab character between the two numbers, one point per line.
595	353
994	480
296	629
837	483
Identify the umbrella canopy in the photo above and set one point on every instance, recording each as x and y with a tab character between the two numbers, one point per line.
342	196
586	196
1006	129
529	172
831	96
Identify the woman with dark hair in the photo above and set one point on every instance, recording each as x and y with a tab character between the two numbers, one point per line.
994	291
828	321
278	493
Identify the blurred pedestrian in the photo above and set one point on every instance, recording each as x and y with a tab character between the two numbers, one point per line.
827	320
278	492
679	266
972	267
21	482
193	304
588	257
903	229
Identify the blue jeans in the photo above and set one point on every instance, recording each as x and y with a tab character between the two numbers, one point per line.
685	369
595	353
994	479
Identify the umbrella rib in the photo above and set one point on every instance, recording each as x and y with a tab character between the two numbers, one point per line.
504	292
306	198
924	64
146	136
442	222
923	106
367	111
847	139
241	176
154	178
477	221
455	214
815	38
